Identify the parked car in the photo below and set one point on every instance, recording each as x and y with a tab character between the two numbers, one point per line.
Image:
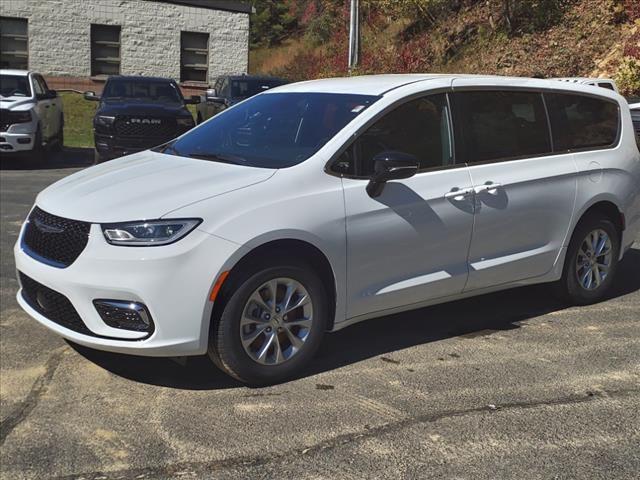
229	90
317	205
594	82
31	114
137	113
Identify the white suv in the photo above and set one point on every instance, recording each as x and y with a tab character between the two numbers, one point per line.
320	204
31	116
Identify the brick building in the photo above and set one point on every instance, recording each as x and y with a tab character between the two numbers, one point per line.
76	44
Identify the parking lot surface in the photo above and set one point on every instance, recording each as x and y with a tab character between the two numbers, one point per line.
509	385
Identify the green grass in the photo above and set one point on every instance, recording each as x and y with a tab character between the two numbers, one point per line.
78	120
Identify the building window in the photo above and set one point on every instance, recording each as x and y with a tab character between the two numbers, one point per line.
14	51
194	57
105	50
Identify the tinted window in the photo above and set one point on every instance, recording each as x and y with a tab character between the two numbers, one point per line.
502	125
419	127
250	87
17	85
580	121
273	130
606	85
142	89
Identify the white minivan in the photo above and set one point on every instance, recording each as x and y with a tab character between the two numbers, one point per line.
316	205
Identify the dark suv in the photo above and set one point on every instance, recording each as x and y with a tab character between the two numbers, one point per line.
138	113
231	89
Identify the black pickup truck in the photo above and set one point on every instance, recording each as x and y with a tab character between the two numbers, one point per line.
138	113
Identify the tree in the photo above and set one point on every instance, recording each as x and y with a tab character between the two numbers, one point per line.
272	21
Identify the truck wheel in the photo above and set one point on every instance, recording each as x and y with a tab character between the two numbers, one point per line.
272	323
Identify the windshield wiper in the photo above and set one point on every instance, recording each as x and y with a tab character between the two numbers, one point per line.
218	157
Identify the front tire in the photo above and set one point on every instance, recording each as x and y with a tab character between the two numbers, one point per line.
592	261
271	324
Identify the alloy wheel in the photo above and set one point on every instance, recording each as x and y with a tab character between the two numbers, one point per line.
276	321
594	259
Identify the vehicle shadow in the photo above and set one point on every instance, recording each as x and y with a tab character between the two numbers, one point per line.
69	157
469	318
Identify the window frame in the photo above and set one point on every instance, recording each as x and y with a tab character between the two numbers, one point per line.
25	21
93	46
611	146
184	33
459	130
335	158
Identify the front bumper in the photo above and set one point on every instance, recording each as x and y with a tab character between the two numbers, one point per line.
173	281
16	142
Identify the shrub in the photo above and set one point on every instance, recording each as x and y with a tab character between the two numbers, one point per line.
628	76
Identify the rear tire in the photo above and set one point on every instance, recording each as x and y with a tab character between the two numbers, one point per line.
591	262
248	309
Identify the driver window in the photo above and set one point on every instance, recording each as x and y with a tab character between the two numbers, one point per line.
37	86
419	127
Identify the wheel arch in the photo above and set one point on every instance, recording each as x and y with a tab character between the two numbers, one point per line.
293	248
606	207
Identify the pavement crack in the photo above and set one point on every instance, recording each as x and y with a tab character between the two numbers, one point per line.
203	468
38	389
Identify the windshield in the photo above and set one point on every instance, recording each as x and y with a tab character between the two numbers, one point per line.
273	130
14	85
250	87
166	92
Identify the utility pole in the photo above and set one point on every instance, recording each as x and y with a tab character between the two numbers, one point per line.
354	35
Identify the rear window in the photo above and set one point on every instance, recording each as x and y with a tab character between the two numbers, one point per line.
579	121
502	125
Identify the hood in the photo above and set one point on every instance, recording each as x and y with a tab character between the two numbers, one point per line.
143	186
141	107
17	101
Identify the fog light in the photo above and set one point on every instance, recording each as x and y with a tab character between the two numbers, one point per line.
24	141
124	315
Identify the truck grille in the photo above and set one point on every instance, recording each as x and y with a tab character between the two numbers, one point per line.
52	305
145	126
5	119
54	240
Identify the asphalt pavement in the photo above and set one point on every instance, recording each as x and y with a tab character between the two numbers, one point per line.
511	385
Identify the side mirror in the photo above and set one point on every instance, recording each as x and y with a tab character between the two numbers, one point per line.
91	96
193	100
52	94
391	166
212	97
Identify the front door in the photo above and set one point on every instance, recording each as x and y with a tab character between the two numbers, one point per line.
524	194
409	244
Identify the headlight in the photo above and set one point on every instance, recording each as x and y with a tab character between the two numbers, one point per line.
148	233
185	122
104	120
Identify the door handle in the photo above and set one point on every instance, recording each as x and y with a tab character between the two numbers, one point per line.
459	194
487	187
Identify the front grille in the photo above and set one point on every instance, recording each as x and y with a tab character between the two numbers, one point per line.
145	126
5	119
54	240
52	305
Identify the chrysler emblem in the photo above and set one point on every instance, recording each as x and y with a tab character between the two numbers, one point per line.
43	227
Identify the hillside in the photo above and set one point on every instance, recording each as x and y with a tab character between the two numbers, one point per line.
543	38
